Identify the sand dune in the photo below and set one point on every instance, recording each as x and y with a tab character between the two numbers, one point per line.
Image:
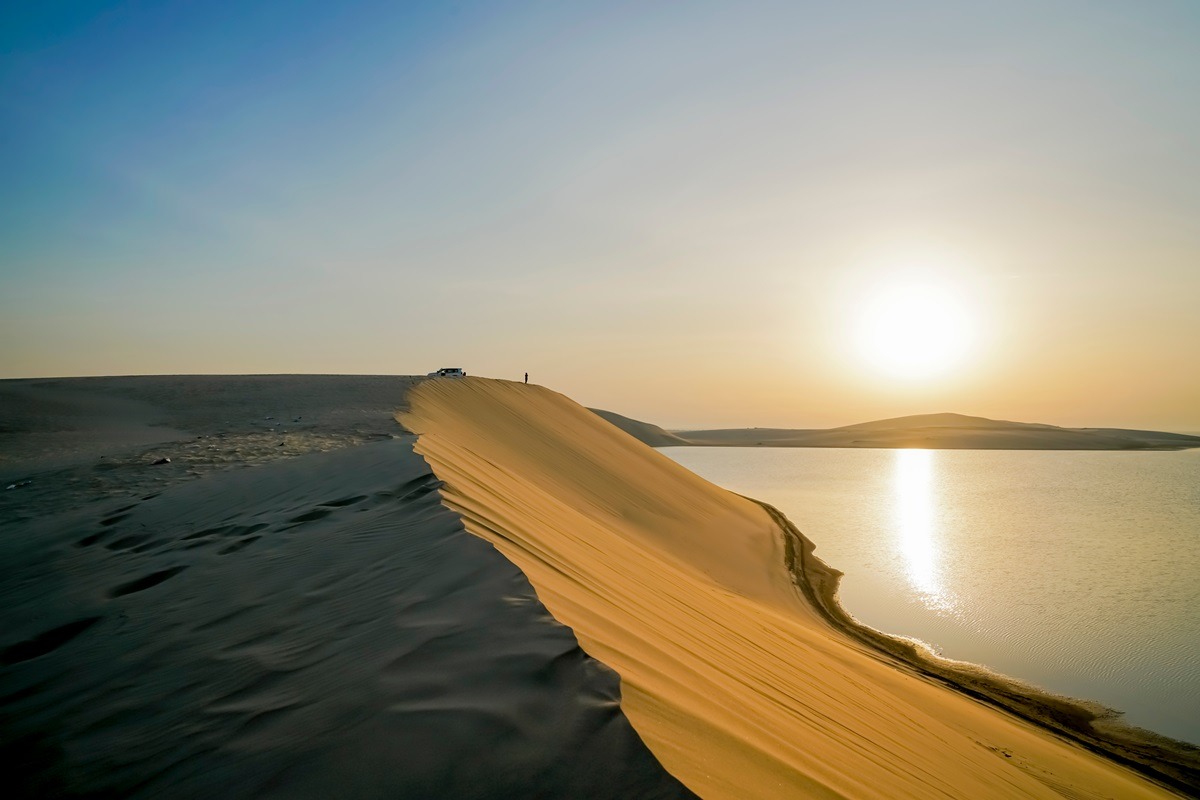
287	610
733	674
642	431
248	621
942	431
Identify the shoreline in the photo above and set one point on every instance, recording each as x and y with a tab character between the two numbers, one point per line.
1173	763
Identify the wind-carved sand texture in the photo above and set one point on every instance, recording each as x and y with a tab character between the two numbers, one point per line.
737	668
265	620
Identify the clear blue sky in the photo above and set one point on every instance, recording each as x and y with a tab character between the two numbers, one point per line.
663	208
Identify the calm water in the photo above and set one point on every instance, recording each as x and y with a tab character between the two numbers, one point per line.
1075	571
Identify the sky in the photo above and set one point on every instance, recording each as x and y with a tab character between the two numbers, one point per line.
680	211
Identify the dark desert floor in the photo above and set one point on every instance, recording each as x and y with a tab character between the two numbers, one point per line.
284	609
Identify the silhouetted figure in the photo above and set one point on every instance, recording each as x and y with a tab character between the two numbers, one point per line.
527	377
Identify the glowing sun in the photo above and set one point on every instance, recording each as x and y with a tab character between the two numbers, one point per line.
914	331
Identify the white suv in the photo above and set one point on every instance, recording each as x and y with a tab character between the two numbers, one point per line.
449	372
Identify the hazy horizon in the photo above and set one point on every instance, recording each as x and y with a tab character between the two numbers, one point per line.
680	213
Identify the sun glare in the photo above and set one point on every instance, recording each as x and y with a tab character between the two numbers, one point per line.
914	331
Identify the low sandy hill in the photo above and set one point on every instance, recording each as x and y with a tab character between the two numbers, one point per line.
708	607
944	420
642	431
944	431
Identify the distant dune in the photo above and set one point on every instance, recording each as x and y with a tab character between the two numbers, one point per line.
737	666
945	431
642	431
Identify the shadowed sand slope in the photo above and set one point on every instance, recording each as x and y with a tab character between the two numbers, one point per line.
309	627
943	431
737	683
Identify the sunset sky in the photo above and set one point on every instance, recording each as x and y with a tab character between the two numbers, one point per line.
684	212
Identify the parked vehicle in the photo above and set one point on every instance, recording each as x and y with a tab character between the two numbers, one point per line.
449	372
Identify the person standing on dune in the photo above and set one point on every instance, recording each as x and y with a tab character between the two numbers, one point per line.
526	377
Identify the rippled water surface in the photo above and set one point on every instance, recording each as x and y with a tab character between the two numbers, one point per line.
1076	571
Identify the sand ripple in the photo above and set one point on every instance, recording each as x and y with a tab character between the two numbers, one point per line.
318	627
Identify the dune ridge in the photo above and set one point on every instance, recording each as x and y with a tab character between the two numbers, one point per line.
741	684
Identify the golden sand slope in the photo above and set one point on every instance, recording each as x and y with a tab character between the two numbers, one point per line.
739	686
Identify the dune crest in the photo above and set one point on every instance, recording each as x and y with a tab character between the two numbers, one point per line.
738	684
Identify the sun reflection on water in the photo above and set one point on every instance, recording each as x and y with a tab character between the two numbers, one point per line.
916	524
